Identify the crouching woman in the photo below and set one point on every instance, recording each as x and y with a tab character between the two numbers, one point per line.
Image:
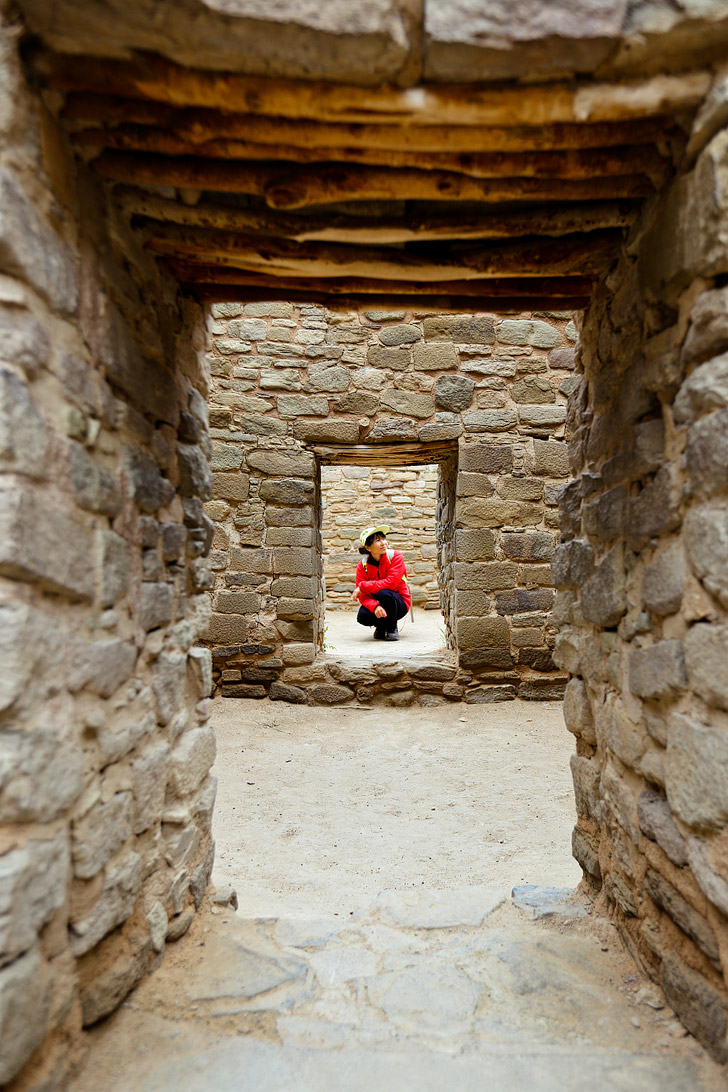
381	585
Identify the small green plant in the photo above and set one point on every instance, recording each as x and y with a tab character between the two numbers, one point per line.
328	647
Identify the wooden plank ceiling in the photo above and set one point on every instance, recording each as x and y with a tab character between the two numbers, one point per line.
510	197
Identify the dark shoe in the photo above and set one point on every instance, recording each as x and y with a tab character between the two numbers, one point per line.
393	636
379	635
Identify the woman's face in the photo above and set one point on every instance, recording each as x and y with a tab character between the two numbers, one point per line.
378	546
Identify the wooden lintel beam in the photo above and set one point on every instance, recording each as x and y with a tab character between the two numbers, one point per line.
153	77
405	453
227	293
583	255
562	287
286	188
574	163
198	126
476	223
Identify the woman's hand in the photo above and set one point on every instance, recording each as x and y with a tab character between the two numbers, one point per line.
380	612
355	594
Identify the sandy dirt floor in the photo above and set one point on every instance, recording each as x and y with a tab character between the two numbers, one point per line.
344	637
320	809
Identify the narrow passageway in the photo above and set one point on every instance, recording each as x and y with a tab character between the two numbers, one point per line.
377	943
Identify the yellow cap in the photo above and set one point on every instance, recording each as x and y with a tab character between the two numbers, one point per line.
381	528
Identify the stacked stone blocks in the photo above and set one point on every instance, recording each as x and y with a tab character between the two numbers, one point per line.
642	607
292	383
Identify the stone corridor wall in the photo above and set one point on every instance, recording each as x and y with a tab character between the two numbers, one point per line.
643	605
105	793
354	497
288	383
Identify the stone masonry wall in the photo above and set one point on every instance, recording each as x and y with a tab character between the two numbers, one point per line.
643	610
105	793
289	379
354	497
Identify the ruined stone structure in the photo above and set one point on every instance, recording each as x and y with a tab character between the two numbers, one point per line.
296	388
353	497
323	155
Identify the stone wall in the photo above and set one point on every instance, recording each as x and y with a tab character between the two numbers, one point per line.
354	497
643	610
105	795
293	388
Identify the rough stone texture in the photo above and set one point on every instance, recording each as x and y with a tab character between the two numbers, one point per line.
103	428
644	593
416	379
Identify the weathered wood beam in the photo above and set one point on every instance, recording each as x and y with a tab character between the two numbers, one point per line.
199	125
221	293
562	287
475	223
283	188
583	255
575	163
386	454
153	77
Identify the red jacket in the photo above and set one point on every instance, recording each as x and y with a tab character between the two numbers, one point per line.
389	573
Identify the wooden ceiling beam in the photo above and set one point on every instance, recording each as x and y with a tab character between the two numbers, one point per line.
199	126
561	287
412	226
420	301
153	77
283	188
575	163
583	255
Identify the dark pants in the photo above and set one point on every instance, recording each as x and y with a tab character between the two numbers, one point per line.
395	607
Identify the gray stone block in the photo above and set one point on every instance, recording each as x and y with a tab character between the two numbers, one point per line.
25	1000
488	575
705	533
485	695
99	833
281	464
289	536
168	679
94	487
149	784
288	517
42	542
190	760
30	249
23	339
603	596
706	656
474	485
287	491
32	888
115	904
148	487
358	402
707	453
396	360
435	357
705	391
657	823
295	561
708	331
541	416
102	666
237	602
528	545
248	329
696	771
234	488
585	774
195	478
113	568
408	402
23	432
404	334
528	332
577	711
658	671
486	458
284	692
393	428
656	508
303	405
662	584
699	1006
295	609
562	358
453	392
226	457
437	430
156	604
533	390
328	377
330	694
482	633
550	458
301	587
521	600
337	432
490	420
